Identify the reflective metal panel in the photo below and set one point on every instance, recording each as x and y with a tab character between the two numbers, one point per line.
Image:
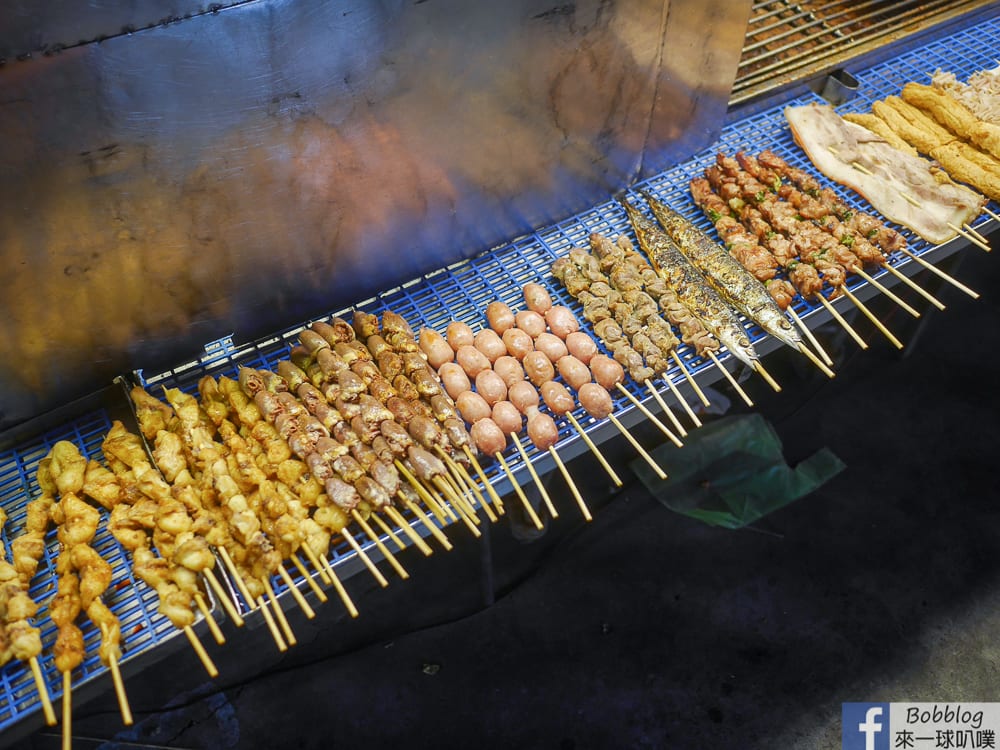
241	171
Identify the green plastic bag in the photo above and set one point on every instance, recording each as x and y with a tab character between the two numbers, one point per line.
732	473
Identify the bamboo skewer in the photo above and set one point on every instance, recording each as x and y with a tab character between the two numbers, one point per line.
759	367
370	532
808	353
471	483
482	476
683	402
429	501
534	476
914	286
469	497
320	567
345	598
666	409
213	626
941	274
431	526
528	507
316	589
241	585
456	503
310	613
635	444
992	214
206	660
67	710
401	522
812	339
223	596
279	613
572	485
376	573
387	530
123	706
271	626
594	449
729	376
649	415
840	319
690	378
972	230
885	290
875	321
969	237
43	691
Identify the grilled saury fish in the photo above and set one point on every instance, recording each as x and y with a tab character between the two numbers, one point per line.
691	287
733	282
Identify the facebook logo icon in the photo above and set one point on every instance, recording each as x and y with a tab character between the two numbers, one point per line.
865	726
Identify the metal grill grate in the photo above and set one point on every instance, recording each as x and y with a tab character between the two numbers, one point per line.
461	292
790	41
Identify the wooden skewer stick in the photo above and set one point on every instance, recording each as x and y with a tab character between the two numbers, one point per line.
402	523
593	448
759	367
318	565
471	483
992	214
223	596
972	230
689	377
534	476
116	678
809	335
650	416
467	489
885	290
840	319
279	613
468	504
572	485
528	507
327	569
683	402
482	476
875	321
376	573
729	376
235	573
387	530
665	409
310	613
206	660
808	353
370	532
304	572
431	526
213	626
269	619
67	710
429	501
43	692
639	449
941	274
444	489
971	238
914	286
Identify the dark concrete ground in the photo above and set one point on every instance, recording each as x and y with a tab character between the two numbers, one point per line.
646	629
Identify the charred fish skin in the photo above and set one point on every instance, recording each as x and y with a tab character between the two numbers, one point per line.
733	282
690	286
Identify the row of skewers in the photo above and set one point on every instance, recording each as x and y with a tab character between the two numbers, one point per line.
368	432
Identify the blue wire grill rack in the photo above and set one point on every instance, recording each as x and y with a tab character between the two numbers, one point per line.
461	292
134	603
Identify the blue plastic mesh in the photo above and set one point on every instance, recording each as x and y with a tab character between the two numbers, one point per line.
131	600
